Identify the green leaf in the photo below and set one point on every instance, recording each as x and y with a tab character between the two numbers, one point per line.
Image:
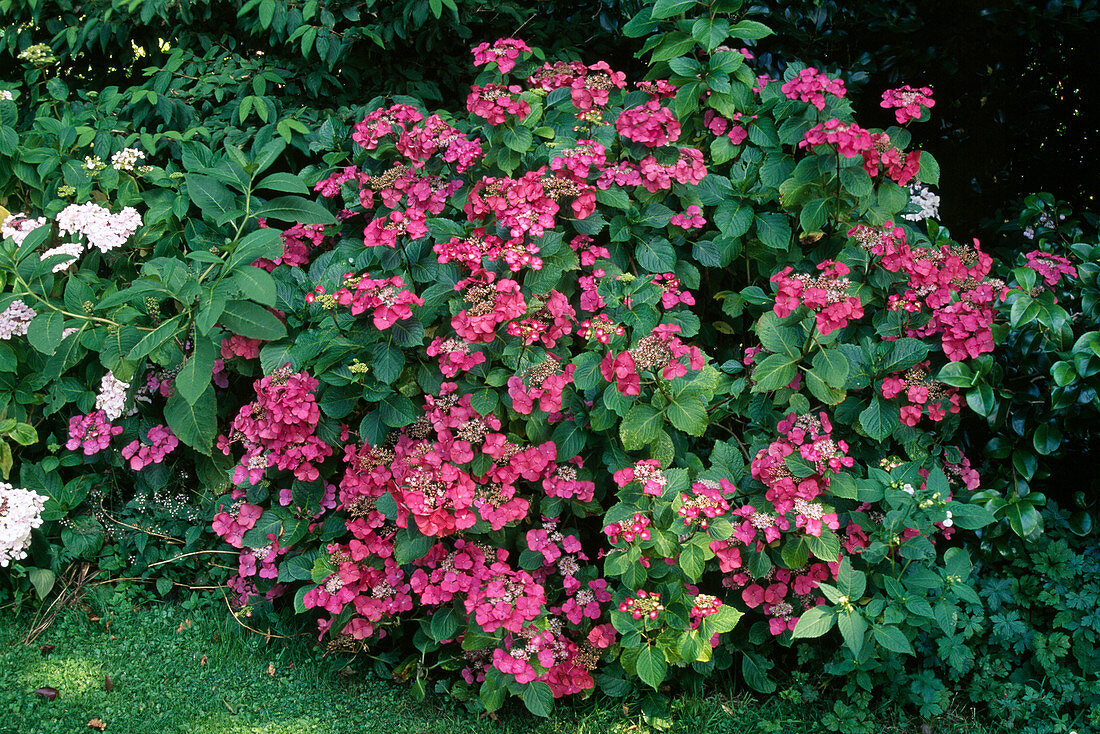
444	624
814	622
750	30
710	32
195	424
755	670
538	698
822	390
640	427
154	339
295	209
192	380
668	8
285	182
23	434
692	560
774	230
688	412
252	320
879	419
255	284
44	332
652	666
397	410
518	138
893	639
656	256
777	338
971	517
825	546
904	353
850	583
388	362
853	627
856	182
814	214
1047	439
929	169
774	372
266	242
211	196
410	545
832	367
43	580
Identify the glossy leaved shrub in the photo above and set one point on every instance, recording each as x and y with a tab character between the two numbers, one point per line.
603	379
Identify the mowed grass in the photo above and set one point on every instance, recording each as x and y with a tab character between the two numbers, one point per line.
174	672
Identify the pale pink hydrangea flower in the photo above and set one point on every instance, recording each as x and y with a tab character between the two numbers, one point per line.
112	396
15	320
18	226
103	230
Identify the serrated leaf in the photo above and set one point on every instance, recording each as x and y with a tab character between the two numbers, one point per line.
879	419
640	427
195	424
295	209
252	320
212	197
774	372
538	698
814	622
193	379
652	666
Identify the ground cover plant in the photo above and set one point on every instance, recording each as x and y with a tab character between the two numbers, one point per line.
594	382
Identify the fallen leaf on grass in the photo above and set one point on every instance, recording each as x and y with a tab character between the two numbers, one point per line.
271	669
46	649
97	724
47	693
108	684
203	661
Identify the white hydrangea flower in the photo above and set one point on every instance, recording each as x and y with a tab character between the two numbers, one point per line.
112	396
927	203
20	513
125	159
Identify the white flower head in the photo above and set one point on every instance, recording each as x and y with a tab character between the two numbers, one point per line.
125	159
20	513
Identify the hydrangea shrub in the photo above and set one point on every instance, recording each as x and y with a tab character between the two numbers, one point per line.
600	379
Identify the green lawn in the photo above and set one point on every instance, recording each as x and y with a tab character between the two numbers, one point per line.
177	671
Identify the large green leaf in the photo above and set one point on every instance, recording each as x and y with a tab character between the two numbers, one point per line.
212	197
814	622
774	372
652	666
296	209
538	698
196	423
252	320
44	332
194	377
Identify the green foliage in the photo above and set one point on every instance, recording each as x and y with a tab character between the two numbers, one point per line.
721	465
